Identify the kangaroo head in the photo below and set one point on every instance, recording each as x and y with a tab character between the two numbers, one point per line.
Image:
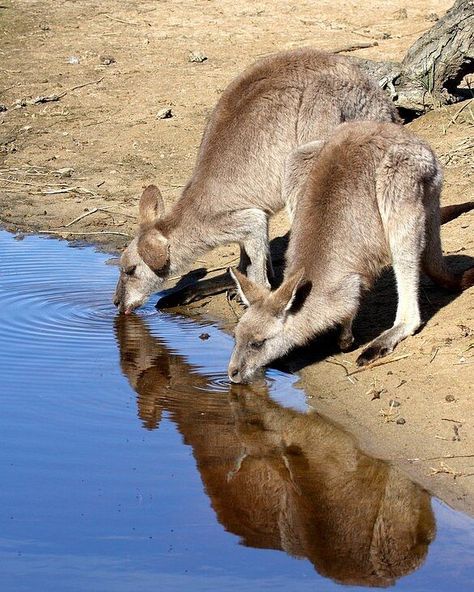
262	334
144	265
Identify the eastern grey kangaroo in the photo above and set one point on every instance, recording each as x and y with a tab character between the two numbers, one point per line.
366	198
277	104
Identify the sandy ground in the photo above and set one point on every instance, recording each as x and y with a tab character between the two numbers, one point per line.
114	65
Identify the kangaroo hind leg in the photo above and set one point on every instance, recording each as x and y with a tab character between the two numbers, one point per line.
404	224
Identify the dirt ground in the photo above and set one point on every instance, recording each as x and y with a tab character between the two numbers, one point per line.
82	83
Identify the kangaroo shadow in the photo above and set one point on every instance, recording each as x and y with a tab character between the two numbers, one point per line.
278	478
376	314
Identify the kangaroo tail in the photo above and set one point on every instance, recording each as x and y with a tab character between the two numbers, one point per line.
448	213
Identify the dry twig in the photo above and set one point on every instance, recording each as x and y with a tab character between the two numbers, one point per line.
355	47
61	232
380	363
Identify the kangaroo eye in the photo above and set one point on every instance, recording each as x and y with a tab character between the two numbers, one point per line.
257	344
130	270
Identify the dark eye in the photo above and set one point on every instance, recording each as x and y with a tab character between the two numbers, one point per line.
257	344
130	270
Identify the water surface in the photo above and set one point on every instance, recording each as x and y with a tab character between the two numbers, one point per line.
127	462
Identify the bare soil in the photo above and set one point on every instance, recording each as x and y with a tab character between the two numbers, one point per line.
82	84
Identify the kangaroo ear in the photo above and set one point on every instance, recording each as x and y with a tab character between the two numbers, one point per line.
151	206
154	249
249	292
283	299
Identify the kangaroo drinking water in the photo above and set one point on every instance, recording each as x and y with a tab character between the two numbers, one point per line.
278	104
369	199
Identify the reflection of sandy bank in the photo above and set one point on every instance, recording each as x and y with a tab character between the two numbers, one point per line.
281	479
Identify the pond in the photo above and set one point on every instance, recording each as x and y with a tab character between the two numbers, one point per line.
128	463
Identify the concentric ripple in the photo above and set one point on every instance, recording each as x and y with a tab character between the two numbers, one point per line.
54	296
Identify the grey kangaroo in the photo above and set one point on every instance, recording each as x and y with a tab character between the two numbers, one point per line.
276	105
366	198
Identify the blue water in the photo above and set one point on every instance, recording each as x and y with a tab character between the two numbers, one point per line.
127	463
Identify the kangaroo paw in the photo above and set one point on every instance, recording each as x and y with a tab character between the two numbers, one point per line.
346	342
373	352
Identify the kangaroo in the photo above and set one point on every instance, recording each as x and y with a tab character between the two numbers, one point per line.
279	478
276	105
366	198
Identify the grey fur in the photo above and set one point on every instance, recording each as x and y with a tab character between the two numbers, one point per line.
369	199
278	104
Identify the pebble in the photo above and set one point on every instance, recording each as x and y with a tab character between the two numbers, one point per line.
401	421
197	57
3	108
401	14
394	403
204	336
449	398
64	172
107	60
165	113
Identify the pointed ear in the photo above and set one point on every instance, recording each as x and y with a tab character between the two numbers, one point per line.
249	292
151	206
153	248
283	298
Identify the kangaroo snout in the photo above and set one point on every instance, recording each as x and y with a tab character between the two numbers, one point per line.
234	374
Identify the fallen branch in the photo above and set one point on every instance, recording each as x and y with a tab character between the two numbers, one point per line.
443	468
82	86
439	457
335	362
355	47
60	232
119	20
81	217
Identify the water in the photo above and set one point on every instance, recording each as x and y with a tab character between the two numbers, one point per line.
128	464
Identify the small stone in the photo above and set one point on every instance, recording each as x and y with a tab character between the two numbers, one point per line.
44	26
197	57
73	60
394	403
401	14
449	398
465	330
401	421
165	113
64	172
3	108
204	336
106	60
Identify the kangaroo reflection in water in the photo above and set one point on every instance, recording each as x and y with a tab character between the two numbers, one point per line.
279	478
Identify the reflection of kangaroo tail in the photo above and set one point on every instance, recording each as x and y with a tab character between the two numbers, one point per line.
448	213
